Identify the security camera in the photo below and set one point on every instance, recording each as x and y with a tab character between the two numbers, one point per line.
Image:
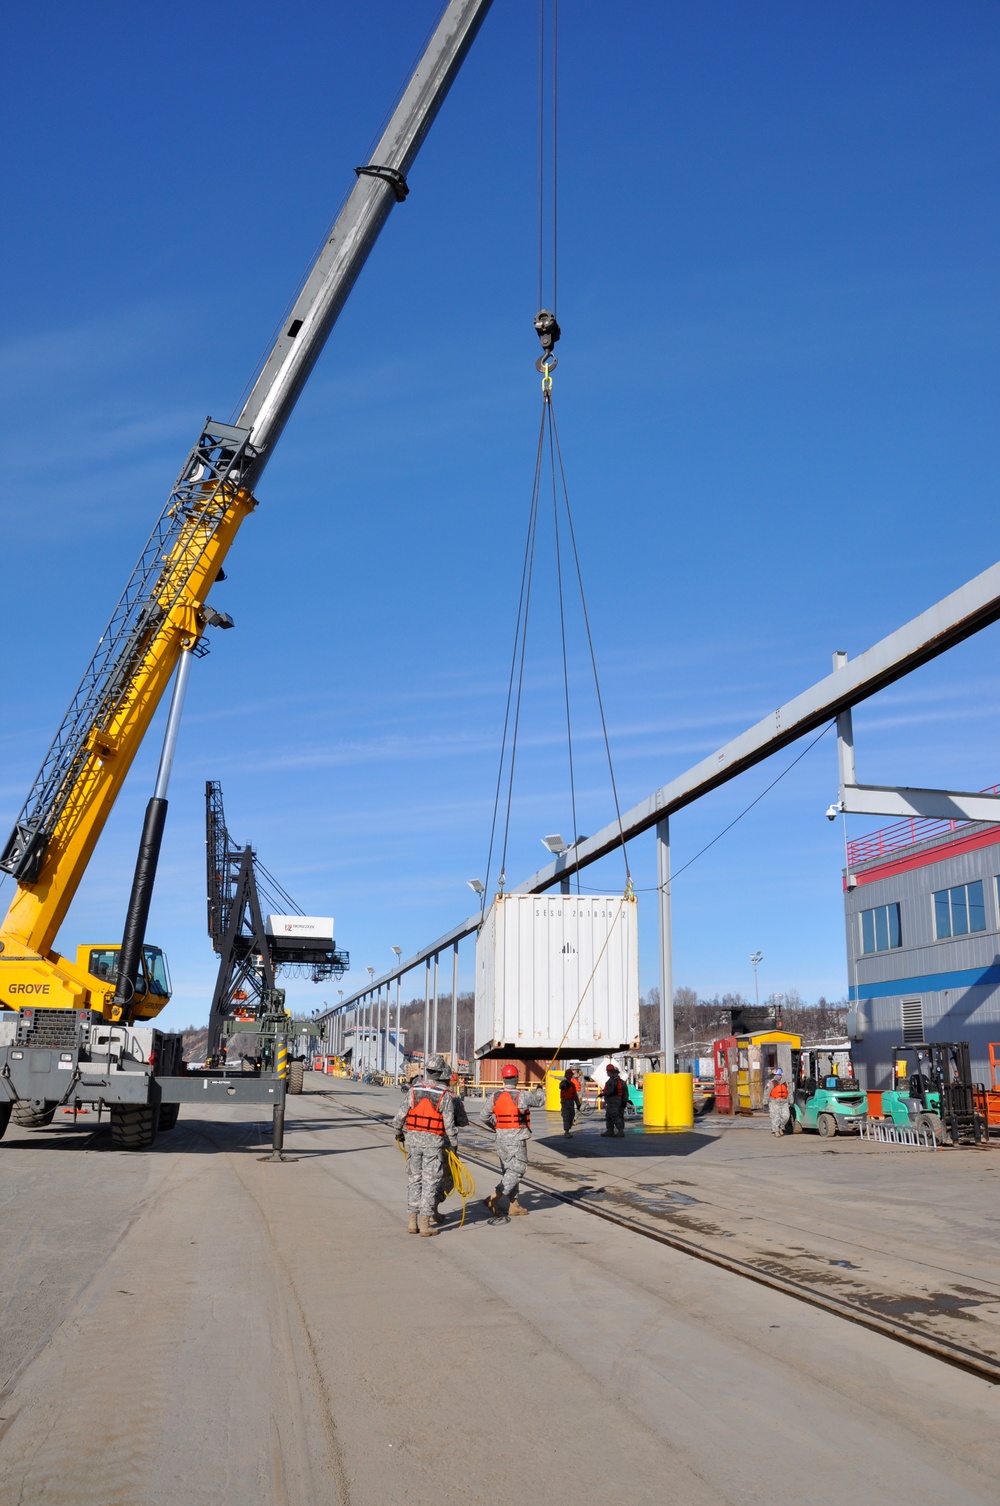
832	812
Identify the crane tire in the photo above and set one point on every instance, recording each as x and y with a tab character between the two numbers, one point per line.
169	1113
296	1077
5	1109
826	1125
133	1125
28	1117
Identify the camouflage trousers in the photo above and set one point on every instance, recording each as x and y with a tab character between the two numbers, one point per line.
778	1111
424	1174
513	1153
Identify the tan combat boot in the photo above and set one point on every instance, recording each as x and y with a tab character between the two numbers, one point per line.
515	1210
493	1203
427	1227
412	1228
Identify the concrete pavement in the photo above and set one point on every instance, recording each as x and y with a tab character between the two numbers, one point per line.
193	1327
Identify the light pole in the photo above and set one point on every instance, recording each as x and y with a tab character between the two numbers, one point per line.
756	958
399	952
557	847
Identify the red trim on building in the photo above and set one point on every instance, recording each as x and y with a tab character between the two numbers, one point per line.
927	857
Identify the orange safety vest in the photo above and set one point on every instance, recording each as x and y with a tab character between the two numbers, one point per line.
779	1090
507	1113
567	1089
425	1114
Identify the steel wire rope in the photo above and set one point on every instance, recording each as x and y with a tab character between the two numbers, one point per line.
554	157
525	574
593	974
565	658
541	152
557	447
520	672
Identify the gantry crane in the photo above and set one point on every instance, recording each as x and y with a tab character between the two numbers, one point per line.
74	1036
256	946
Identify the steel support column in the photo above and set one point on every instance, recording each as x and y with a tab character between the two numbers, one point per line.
666	945
427	1010
454	1008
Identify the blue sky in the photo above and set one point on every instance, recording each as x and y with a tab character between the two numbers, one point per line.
777	396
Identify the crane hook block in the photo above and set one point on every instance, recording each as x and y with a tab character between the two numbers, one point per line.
547	329
390	175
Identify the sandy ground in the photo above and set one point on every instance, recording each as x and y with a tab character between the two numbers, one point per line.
193	1327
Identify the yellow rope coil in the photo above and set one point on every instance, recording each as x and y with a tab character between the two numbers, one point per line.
462	1178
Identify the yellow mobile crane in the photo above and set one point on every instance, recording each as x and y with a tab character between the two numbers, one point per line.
70	1031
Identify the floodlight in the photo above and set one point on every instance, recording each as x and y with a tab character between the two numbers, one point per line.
555	845
476	885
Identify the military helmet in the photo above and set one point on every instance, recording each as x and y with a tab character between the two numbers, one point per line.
437	1066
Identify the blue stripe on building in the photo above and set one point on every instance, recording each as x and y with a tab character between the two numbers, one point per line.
930	983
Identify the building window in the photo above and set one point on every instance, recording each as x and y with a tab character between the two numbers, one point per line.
959	911
880	930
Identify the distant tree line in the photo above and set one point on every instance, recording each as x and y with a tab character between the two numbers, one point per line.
698	1022
412	1021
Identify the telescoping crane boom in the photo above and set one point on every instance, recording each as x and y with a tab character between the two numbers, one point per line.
158	624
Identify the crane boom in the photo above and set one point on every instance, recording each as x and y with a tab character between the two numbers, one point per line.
163	610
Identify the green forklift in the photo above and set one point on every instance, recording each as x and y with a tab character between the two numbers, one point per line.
932	1089
825	1093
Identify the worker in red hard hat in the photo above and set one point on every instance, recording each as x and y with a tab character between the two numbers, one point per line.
508	1112
615	1096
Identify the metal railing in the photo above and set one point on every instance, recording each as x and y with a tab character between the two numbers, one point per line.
909	1136
906	833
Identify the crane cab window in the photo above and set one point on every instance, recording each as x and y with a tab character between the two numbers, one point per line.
104	963
153	975
158	978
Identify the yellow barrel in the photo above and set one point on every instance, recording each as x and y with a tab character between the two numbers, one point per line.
680	1100
668	1100
552	1081
654	1100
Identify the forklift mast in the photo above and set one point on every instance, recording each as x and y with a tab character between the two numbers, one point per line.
938	1075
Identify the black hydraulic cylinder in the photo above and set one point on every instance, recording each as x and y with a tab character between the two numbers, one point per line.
140	898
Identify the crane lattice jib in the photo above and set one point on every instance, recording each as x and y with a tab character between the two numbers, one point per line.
201	502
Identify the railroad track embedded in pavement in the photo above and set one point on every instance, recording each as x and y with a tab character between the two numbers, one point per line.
973	1361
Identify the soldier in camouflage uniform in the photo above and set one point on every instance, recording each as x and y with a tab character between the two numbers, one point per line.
508	1113
425	1126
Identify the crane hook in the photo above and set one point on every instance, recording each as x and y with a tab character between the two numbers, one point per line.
547	329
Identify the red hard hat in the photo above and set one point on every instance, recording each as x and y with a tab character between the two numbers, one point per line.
508	1071
611	1067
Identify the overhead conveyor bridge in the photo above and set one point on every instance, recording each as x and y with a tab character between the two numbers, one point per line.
949	622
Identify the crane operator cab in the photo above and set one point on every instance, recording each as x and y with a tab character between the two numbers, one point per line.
152	986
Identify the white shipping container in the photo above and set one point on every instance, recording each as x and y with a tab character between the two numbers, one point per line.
558	971
300	927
